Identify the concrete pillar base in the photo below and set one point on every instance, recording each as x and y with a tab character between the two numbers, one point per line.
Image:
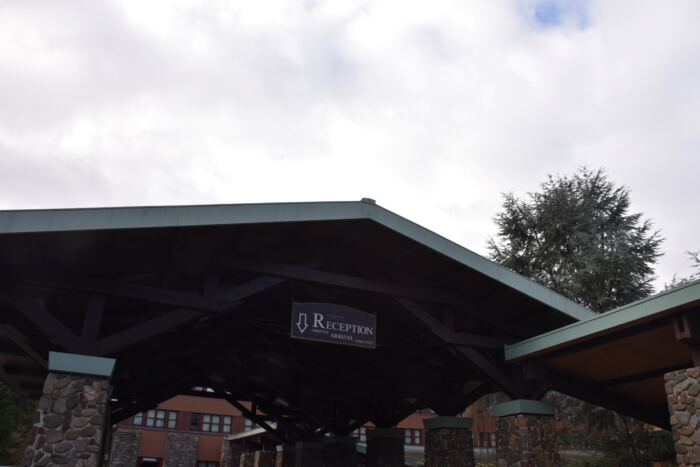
72	414
339	451
683	396
385	447
449	441
308	455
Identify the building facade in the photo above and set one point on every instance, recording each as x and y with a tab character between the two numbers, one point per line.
192	431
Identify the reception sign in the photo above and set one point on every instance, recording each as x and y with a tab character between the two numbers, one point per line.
334	324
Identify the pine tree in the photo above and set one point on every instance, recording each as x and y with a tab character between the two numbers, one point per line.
577	237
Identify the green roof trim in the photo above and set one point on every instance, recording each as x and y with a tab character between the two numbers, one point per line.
603	323
81	364
437	423
66	220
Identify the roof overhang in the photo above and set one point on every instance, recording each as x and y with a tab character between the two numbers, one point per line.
201	296
620	356
119	218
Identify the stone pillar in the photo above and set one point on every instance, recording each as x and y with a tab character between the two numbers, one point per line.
448	441
247	459
286	456
226	459
70	422
683	396
308	455
339	451
525	435
180	449
265	458
125	447
385	447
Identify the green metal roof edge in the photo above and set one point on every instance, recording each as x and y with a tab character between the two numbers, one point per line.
621	316
63	220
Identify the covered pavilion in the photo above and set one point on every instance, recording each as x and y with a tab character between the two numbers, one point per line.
112	310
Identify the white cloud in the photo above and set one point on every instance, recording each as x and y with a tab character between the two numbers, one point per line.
433	108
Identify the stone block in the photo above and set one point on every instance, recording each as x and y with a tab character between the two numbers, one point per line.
449	442
60	433
526	440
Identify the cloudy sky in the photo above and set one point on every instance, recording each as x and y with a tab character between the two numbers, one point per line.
433	108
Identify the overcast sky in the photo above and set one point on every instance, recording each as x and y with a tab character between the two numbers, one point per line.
433	108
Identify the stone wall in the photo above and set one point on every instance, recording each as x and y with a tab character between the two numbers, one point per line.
125	447
526	441
180	450
449	446
70	422
683	396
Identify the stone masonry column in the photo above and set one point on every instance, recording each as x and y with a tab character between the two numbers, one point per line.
525	435
180	449
308	454
683	396
385	447
339	451
247	459
286	456
125	447
70	422
448	441
265	458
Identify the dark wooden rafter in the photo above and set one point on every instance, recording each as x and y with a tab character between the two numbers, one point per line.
149	399
113	288
46	322
633	378
656	415
363	284
480	363
687	330
254	416
92	323
23	343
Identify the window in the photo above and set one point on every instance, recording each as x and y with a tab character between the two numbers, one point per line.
156	419
172	420
493	440
363	435
249	425
417	436
409	440
207	464
206	422
211	423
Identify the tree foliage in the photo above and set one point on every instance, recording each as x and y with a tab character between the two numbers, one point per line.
577	237
15	420
676	281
